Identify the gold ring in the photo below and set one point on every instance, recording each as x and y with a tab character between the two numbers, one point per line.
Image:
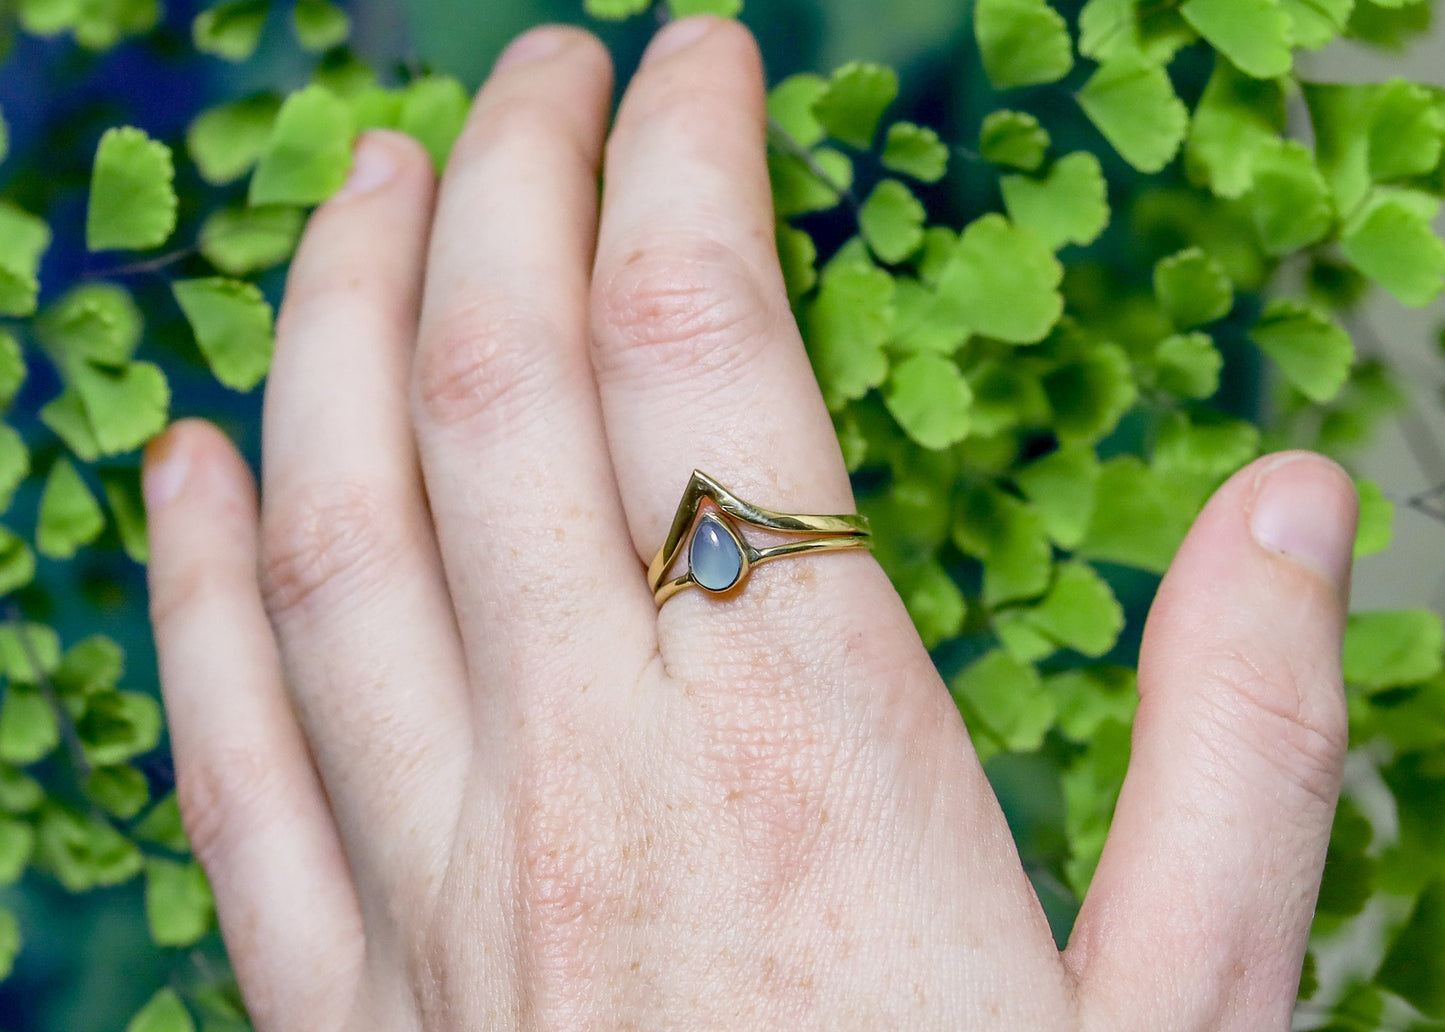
719	558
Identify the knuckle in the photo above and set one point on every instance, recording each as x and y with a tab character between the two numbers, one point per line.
504	122
195	586
517	127
331	274
680	308
1281	714
483	360
325	535
224	794
343	293
202	579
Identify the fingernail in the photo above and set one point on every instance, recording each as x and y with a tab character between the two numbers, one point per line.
1305	508
542	42
676	35
371	166
164	471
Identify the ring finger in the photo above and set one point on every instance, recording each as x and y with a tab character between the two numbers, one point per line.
548	599
699	362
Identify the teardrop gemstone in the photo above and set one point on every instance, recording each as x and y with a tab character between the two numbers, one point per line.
713	557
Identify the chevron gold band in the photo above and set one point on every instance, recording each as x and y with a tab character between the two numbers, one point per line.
719	558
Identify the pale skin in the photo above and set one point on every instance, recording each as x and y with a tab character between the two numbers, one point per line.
449	767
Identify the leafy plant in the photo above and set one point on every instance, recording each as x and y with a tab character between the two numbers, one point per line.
1036	399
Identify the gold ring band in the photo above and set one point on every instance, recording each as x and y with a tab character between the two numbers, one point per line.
719	558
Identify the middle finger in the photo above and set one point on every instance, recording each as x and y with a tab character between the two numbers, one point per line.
698	360
547	595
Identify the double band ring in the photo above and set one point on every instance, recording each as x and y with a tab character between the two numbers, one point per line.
719	558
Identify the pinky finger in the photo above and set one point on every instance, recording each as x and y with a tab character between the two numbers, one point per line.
250	800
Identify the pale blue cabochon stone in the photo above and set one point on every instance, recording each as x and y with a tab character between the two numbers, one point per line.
713	556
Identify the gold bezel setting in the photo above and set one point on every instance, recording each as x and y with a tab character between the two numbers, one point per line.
727	511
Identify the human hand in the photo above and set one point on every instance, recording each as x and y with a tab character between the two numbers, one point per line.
449	767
